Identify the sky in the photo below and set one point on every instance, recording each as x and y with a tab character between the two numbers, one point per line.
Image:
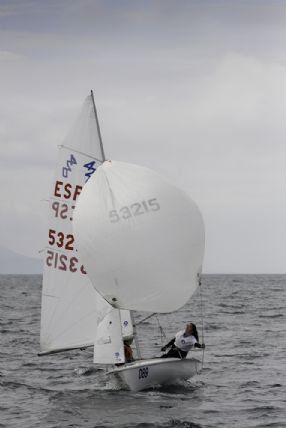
194	89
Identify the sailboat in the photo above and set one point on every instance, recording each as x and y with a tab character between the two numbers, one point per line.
121	239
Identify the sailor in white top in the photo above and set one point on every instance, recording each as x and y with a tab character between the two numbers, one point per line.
183	342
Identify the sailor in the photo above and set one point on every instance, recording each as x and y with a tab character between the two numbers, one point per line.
183	342
128	351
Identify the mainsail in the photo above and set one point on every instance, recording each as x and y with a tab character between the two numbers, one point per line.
140	237
71	307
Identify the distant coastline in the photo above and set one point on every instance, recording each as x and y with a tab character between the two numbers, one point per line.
17	264
14	263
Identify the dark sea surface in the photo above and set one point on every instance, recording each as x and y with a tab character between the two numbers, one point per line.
243	382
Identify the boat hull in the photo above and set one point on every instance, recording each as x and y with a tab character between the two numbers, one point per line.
144	374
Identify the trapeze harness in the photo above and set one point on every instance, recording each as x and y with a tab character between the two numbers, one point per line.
181	344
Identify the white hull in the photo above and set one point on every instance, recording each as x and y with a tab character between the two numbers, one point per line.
143	374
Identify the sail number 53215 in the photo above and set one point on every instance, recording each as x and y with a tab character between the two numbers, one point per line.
133	210
64	262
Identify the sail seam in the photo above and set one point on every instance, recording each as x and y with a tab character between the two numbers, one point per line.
61	146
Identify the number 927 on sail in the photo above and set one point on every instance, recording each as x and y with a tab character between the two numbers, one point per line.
133	210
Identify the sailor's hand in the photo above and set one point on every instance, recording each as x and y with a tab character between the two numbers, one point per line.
203	345
164	348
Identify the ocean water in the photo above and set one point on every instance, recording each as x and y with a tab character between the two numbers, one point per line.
242	384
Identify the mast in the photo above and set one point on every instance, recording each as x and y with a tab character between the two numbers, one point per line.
135	336
98	128
103	159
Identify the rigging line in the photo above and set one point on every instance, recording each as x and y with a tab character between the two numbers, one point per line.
202	318
162	332
137	347
98	128
145	319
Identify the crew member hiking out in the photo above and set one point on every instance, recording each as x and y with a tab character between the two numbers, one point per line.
183	342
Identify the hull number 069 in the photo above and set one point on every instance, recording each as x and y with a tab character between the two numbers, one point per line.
143	373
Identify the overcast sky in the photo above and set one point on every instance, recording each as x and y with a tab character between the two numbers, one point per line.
195	89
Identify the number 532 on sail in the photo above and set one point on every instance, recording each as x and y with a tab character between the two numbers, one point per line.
133	210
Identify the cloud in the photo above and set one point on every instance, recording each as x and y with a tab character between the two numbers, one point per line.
6	56
194	90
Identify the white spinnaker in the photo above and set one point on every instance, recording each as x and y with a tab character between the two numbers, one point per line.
108	344
71	307
140	237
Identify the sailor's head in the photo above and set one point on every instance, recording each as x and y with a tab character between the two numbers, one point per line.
189	328
128	341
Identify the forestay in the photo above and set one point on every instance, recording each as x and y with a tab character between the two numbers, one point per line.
140	237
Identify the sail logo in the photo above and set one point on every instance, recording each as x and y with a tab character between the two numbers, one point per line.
91	168
66	169
117	357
